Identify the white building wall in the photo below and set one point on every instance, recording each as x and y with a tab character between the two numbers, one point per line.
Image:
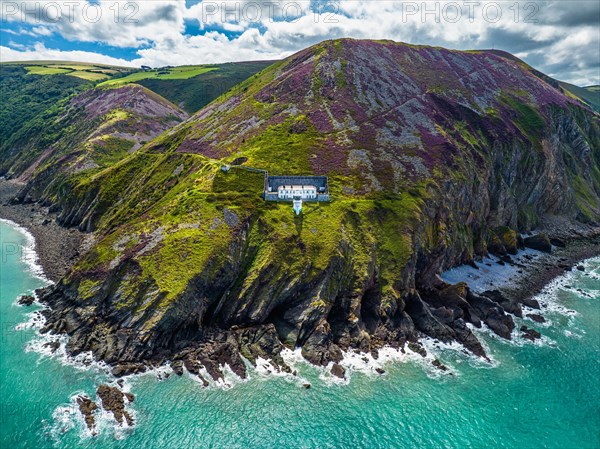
304	192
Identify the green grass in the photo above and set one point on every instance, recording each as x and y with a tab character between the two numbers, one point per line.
88	72
90	76
528	120
177	73
41	70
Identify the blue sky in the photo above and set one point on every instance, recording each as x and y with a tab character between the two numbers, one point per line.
561	38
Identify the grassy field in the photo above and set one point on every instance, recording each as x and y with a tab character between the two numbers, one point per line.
43	70
90	76
88	72
196	91
176	73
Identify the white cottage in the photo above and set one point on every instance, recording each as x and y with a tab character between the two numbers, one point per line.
289	192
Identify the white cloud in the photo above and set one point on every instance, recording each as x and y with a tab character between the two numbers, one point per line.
39	53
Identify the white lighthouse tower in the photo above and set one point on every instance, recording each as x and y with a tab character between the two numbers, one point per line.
297	205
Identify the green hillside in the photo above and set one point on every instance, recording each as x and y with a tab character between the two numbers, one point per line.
590	94
25	95
193	87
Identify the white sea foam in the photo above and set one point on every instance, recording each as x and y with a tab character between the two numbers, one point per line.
35	320
549	298
67	417
42	344
490	274
28	255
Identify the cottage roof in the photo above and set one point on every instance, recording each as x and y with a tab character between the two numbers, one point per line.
274	182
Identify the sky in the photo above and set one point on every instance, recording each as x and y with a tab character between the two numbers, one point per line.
560	38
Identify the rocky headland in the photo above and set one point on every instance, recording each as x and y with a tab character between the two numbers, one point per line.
435	158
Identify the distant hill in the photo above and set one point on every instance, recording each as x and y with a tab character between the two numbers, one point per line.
29	88
193	87
24	96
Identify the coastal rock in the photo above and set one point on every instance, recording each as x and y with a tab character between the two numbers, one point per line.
530	334
510	305
87	407
492	314
113	400
439	365
177	367
53	345
26	300
424	320
505	240
193	366
417	348
319	349
467	338
262	341
531	303
125	369
536	317
338	370
541	242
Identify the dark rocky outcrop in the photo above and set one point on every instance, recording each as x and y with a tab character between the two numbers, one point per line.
492	314
26	300
541	242
530	334
509	304
536	317
87	407
338	370
113	400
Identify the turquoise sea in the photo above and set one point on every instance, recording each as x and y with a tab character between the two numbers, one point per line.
533	395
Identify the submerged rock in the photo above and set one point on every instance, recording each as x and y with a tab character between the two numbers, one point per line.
52	345
439	365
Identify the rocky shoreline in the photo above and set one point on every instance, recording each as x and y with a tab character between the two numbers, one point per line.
441	311
56	246
580	244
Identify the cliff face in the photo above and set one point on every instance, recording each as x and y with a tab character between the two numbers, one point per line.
434	157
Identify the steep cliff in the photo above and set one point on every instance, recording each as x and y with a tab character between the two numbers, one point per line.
434	157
